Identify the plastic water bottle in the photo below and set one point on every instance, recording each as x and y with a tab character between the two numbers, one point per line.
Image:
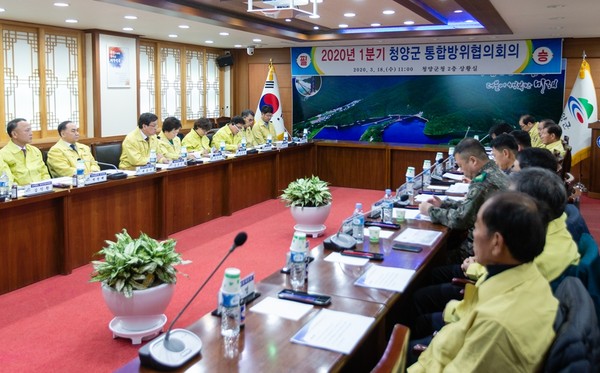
229	303
4	187
152	159
450	165
80	173
297	268
269	139
426	173
358	223
387	207
439	167
183	154
285	137
410	185
222	146
305	135
243	143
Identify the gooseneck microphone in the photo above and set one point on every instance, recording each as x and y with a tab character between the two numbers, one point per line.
177	346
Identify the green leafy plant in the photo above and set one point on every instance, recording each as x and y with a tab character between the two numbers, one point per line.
136	263
307	192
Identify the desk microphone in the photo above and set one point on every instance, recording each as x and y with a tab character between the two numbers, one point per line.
341	240
114	176
178	346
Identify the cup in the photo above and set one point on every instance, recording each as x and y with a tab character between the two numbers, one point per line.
298	242
400	215
231	281
374	233
410	172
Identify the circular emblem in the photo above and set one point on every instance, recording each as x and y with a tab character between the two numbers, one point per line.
303	60
598	141
270	99
542	55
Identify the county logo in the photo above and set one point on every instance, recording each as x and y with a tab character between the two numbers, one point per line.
580	109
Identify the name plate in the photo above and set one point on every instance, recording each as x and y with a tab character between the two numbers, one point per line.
241	151
144	170
302	140
216	156
267	147
38	188
283	145
247	285
177	163
95	178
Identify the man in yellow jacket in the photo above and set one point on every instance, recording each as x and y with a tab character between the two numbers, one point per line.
508	321
197	140
139	142
529	125
263	126
229	134
24	160
63	156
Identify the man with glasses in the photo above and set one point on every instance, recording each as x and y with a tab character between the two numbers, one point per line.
63	156
248	116
139	142
230	134
529	125
263	126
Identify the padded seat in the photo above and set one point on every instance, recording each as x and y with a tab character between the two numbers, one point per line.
394	357
108	153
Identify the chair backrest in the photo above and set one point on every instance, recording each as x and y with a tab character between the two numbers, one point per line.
221	121
394	356
108	153
210	133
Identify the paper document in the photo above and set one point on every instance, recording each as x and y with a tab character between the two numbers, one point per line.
387	278
333	330
283	308
412	214
437	187
451	176
458	188
351	260
418	236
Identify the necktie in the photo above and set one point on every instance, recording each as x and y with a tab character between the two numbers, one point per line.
74	147
24	152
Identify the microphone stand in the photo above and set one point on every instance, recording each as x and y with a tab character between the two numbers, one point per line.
341	240
166	353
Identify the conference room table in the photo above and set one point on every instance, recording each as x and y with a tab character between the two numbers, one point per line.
264	344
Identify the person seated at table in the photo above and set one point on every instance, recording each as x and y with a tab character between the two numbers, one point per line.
169	144
196	140
486	178
499	129
504	149
507	323
63	156
248	116
559	253
529	125
5	169
138	143
522	138
551	138
230	135
23	159
263	126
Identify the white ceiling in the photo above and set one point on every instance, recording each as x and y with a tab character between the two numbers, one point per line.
527	19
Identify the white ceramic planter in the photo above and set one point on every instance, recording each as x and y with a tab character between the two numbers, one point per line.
148	302
310	220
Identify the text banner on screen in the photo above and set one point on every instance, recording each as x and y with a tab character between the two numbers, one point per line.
541	56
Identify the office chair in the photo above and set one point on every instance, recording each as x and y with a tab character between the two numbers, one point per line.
394	357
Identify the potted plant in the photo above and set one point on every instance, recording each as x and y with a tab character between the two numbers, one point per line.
138	277
309	200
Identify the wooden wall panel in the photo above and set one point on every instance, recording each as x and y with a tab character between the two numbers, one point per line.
295	163
252	180
401	159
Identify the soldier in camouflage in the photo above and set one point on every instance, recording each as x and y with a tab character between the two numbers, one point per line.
486	178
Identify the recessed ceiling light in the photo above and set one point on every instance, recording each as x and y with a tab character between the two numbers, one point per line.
315	27
288	20
375	24
342	25
130	17
469	21
314	16
127	28
2	10
173	35
71	20
458	11
208	41
388	12
61	4
185	27
224	33
408	23
349	15
237	46
257	40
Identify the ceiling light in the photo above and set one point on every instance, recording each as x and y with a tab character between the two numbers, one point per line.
130	17
316	1
314	16
71	20
185	27
388	12
408	23
172	35
288	20
2	10
61	4
224	33
469	21
458	11
237	46
257	40
209	41
375	24
127	28
349	15
315	27
342	25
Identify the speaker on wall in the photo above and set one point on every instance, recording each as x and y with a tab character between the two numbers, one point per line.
225	60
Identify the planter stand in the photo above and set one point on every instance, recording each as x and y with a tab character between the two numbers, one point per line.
137	328
310	230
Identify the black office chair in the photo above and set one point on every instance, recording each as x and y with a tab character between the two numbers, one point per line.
108	153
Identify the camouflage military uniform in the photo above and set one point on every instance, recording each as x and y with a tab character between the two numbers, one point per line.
462	214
